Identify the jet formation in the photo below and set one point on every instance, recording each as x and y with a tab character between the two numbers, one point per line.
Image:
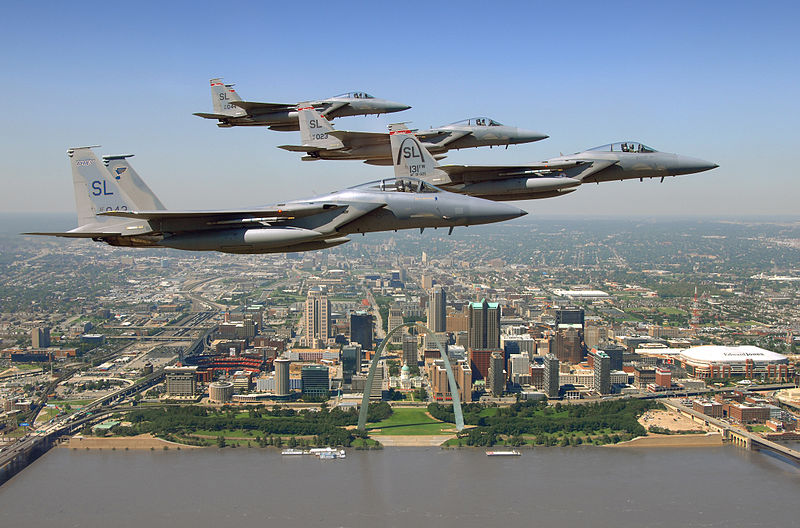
115	205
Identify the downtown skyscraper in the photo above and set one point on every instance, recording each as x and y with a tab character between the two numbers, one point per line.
437	310
317	319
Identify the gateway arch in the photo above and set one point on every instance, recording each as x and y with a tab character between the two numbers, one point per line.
373	367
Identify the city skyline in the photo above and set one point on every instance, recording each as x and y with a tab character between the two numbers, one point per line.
690	79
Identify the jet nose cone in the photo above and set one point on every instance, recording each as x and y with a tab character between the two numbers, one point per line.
529	136
489	211
392	106
687	165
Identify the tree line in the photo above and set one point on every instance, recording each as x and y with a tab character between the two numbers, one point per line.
540	420
327	425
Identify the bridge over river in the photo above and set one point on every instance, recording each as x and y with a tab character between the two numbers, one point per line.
736	436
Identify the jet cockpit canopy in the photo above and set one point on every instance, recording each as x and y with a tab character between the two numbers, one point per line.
354	95
409	185
477	121
624	146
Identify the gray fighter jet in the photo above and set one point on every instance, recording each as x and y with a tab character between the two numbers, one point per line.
230	110
557	176
321	141
116	207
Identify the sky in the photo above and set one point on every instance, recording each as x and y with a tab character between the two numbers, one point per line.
714	80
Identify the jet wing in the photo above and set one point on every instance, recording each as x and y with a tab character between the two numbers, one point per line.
362	138
233	216
442	137
462	173
84	234
591	167
330	108
380	162
255	108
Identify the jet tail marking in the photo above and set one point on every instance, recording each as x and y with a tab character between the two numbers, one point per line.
314	130
140	195
409	155
222	97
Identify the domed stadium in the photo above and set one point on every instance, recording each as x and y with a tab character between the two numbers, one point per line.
713	361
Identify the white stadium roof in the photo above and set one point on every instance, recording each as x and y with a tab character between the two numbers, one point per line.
731	354
579	293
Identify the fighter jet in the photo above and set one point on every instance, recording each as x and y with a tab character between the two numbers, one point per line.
554	177
115	206
321	141
230	110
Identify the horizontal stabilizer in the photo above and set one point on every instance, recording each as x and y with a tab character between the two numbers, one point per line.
212	116
300	148
254	108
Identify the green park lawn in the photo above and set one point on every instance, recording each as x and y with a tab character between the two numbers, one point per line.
227	433
47	413
757	428
409	421
672	311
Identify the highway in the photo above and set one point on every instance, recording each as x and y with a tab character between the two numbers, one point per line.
17	456
379	333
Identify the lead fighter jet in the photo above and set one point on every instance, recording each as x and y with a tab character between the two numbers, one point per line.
321	141
554	177
230	110
115	206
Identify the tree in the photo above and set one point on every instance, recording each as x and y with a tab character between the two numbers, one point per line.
394	368
221	441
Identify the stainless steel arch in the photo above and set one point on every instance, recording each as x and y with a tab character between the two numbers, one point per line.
451	379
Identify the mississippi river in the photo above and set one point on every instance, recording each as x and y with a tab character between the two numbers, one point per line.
404	487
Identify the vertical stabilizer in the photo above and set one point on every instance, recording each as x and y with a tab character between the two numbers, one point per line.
314	129
137	191
222	95
95	189
409	156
